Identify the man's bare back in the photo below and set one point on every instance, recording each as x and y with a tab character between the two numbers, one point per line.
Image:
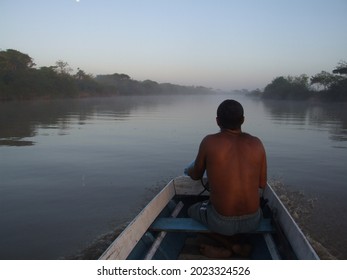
235	163
236	168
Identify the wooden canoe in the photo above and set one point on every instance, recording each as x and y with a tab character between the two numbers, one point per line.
162	229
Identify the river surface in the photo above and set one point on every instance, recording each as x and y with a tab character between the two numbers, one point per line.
73	170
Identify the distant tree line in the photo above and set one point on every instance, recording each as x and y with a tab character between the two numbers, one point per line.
19	79
123	84
322	86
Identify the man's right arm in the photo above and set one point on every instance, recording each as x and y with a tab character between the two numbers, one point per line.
199	168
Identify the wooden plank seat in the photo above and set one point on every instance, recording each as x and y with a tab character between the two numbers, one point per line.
191	225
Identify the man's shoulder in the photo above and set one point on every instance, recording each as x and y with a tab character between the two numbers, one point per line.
252	140
250	136
210	138
212	135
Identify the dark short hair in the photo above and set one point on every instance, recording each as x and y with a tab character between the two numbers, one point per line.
230	114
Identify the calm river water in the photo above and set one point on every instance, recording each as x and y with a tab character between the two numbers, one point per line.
73	170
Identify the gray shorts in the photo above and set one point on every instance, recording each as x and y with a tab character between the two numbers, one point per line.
205	213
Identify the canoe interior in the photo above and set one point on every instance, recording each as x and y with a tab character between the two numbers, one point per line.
185	245
137	241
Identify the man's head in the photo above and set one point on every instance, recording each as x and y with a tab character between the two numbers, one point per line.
230	114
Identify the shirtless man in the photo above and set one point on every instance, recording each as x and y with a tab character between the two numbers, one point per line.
235	163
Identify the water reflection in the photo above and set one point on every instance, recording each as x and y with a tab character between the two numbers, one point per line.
331	117
20	120
286	112
17	143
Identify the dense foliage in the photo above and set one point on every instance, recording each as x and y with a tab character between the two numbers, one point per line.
19	79
328	86
288	88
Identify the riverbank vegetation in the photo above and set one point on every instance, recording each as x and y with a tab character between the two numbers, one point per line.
20	79
324	86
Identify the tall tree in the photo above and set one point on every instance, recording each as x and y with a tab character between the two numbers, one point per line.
63	67
12	60
288	88
341	68
325	79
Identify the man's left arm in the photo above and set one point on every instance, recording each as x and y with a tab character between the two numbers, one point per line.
263	171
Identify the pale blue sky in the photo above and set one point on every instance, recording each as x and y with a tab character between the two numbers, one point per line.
225	44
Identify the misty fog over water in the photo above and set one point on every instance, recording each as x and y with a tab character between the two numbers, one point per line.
72	170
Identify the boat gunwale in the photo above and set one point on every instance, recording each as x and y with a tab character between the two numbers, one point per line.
122	246
300	244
